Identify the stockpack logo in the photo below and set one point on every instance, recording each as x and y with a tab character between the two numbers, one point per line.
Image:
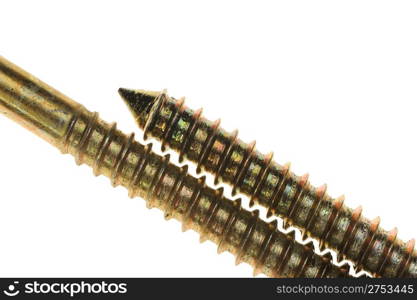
12	289
64	288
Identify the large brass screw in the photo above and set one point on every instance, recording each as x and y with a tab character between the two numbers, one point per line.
70	127
272	185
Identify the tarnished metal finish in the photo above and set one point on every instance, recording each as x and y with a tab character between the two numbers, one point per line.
73	129
272	185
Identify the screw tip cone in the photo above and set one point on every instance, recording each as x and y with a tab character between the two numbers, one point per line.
139	102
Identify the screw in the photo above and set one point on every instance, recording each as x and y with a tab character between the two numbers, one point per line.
272	185
73	129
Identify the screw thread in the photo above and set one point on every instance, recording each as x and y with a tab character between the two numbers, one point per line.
273	186
191	201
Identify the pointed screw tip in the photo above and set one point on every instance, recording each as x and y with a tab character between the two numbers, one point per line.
137	95
127	95
121	90
138	101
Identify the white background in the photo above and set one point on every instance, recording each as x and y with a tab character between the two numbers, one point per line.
327	85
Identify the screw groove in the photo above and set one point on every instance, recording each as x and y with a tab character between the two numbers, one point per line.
174	118
273	186
84	138
103	148
263	176
246	236
243	167
392	235
266	244
121	158
231	220
171	203
208	143
191	133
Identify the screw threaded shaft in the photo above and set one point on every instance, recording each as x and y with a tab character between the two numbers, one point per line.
67	125
272	185
189	200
